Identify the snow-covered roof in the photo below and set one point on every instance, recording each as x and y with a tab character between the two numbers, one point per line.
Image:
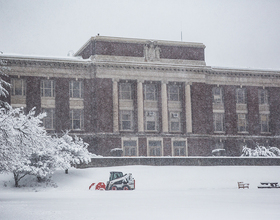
42	57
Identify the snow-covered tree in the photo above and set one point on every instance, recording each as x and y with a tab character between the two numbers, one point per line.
3	83
21	136
260	151
72	151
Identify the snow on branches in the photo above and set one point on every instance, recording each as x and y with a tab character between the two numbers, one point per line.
27	149
20	136
260	151
3	84
71	151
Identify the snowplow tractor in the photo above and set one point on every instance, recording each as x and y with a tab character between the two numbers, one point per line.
117	181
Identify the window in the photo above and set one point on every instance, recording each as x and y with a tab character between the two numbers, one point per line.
263	96
264	122
18	87
218	122
242	122
77	119
49	120
173	92
47	88
217	95
179	148
241	96
125	91
76	89
151	120
130	147
150	92
155	148
126	118
174	121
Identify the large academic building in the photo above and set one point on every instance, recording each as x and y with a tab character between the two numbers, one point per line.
149	98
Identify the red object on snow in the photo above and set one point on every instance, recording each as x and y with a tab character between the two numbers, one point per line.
91	185
100	186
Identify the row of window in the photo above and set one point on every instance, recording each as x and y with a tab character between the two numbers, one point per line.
47	88
241	96
151	121
76	119
242	123
155	148
150	91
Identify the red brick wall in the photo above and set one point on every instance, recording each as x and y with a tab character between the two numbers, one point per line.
199	147
253	110
142	144
88	106
167	150
103	105
230	109
119	49
105	145
33	94
274	105
202	109
184	53
62	108
87	51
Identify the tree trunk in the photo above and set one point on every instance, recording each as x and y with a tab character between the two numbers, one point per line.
16	179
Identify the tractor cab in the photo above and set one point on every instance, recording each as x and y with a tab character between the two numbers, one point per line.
115	175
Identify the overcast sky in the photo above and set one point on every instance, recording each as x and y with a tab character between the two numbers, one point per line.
237	33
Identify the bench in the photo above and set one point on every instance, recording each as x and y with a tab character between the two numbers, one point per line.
242	185
269	185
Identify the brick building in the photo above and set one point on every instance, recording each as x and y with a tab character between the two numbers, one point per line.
150	98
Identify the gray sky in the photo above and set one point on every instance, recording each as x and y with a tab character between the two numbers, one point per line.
237	33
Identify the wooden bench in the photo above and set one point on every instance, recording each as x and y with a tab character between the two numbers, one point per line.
269	185
242	185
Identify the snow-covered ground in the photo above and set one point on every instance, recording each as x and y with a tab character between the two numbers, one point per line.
172	192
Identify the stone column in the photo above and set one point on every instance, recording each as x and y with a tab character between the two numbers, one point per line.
164	107
115	106
188	106
140	106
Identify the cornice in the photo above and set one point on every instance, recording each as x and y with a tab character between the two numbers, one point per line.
47	63
152	67
248	73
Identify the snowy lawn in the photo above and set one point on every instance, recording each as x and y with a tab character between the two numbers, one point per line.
172	192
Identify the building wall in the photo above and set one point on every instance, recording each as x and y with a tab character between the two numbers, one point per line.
62	107
33	97
120	60
103	105
201	97
253	110
230	110
274	110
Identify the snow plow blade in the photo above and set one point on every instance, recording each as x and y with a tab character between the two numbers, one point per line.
99	186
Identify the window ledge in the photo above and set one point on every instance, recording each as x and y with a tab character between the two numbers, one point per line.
127	131
243	132
219	132
71	98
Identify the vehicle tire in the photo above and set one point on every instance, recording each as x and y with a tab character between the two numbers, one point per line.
126	187
114	188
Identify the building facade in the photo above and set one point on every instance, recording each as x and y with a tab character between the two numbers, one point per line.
149	98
